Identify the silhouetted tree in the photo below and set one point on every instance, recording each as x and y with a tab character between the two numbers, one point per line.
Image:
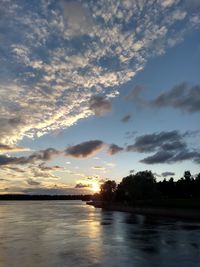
187	175
141	185
198	177
107	190
166	188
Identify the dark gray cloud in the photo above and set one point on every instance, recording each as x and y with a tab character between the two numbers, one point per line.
81	185
85	149
45	155
100	105
32	182
172	157
167	173
114	149
151	142
181	97
5	160
168	147
187	155
176	145
192	134
6	148
42	155
158	157
134	93
42	167
126	118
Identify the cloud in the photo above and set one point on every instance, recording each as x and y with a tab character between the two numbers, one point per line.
167	3
42	155
168	147
56	60
167	173
187	155
13	168
172	157
110	164
11	149
150	142
32	182
134	94
114	149
85	149
98	168
43	174
42	167
81	185
182	97
100	105
126	118
6	160
77	18
46	154
158	157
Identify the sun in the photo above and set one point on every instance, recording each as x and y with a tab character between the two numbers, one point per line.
95	187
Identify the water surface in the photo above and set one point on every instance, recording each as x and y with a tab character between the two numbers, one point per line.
70	233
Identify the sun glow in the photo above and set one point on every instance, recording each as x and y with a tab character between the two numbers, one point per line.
95	187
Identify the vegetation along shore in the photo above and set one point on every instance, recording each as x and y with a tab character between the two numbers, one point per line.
140	193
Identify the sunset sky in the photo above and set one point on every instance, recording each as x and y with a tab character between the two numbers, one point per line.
91	90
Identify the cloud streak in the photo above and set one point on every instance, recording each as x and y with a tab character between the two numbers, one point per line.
12	149
100	105
151	142
183	97
85	149
167	173
114	149
42	155
126	118
168	147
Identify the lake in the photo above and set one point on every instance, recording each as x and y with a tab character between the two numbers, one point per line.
71	233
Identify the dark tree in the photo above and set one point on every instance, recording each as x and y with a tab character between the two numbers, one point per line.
187	176
139	186
107	190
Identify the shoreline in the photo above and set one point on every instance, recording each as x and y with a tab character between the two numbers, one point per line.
179	213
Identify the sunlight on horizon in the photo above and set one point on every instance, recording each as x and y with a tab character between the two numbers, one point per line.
95	187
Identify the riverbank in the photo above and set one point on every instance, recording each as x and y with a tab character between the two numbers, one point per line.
180	213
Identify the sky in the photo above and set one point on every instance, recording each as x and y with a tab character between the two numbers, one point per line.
96	90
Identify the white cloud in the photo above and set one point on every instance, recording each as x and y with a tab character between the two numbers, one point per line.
56	59
167	3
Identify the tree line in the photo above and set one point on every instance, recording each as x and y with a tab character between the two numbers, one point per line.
44	197
142	186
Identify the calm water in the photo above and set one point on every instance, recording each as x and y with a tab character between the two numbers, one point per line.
69	233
